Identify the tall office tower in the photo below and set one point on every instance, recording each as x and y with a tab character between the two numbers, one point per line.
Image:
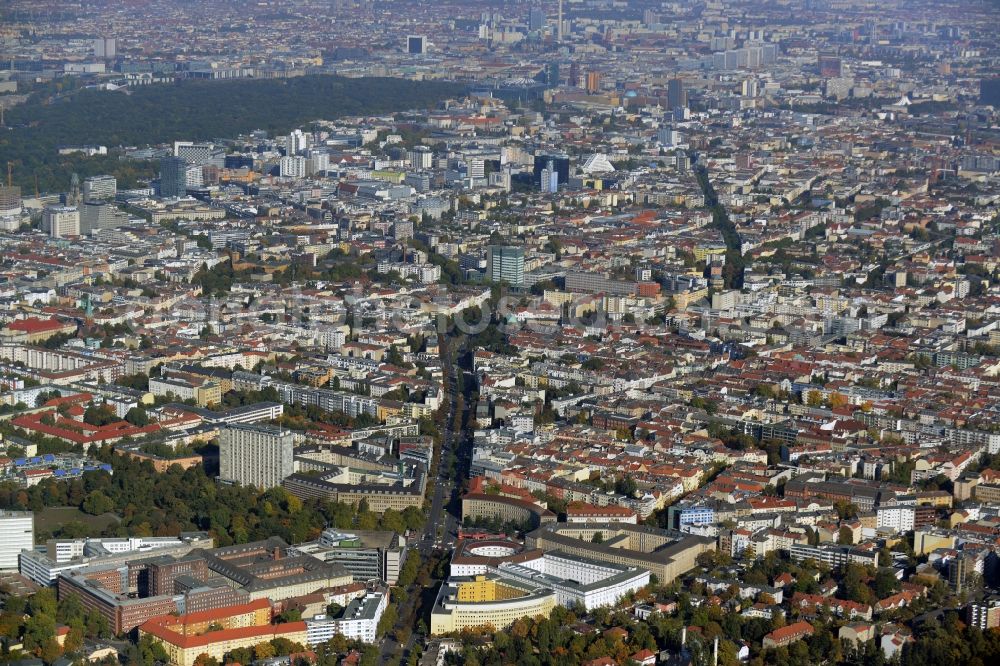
173	177
574	75
501	179
421	158
402	230
958	573
296	143
255	455
681	161
552	74
61	221
97	215
416	44
99	188
105	47
506	264
668	136
548	181
536	19
559	26
749	88
17	533
593	82
559	161
10	200
194	176
650	18
319	161
676	95
989	91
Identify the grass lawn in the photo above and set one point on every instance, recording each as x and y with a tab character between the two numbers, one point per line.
54	517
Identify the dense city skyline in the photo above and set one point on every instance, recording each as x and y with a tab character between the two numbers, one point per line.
569	333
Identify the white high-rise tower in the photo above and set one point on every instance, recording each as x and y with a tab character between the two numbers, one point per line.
559	26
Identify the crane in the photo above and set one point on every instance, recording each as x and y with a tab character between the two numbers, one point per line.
10	169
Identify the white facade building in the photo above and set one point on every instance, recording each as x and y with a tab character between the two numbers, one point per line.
359	621
899	517
578	580
256	455
17	533
61	221
293	167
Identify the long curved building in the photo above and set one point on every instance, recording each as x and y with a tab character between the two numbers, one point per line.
505	509
488	600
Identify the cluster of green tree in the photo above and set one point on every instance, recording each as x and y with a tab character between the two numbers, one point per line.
190	109
623	485
277	647
154	504
869	210
709	406
543	641
498	525
490	338
794	262
732	272
249	397
44	396
950	641
57	340
33	620
841	107
556	505
338	266
867	585
217	280
163	450
137	416
13	409
44	444
100	415
300	417
553	640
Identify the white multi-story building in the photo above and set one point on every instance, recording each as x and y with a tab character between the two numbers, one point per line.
44	563
98	188
293	167
319	161
898	517
256	455
359	621
17	533
61	221
421	158
296	143
578	580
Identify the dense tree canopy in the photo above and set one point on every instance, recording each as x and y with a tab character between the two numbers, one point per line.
194	110
153	504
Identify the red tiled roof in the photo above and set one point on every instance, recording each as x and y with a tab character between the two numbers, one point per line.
35	325
790	631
